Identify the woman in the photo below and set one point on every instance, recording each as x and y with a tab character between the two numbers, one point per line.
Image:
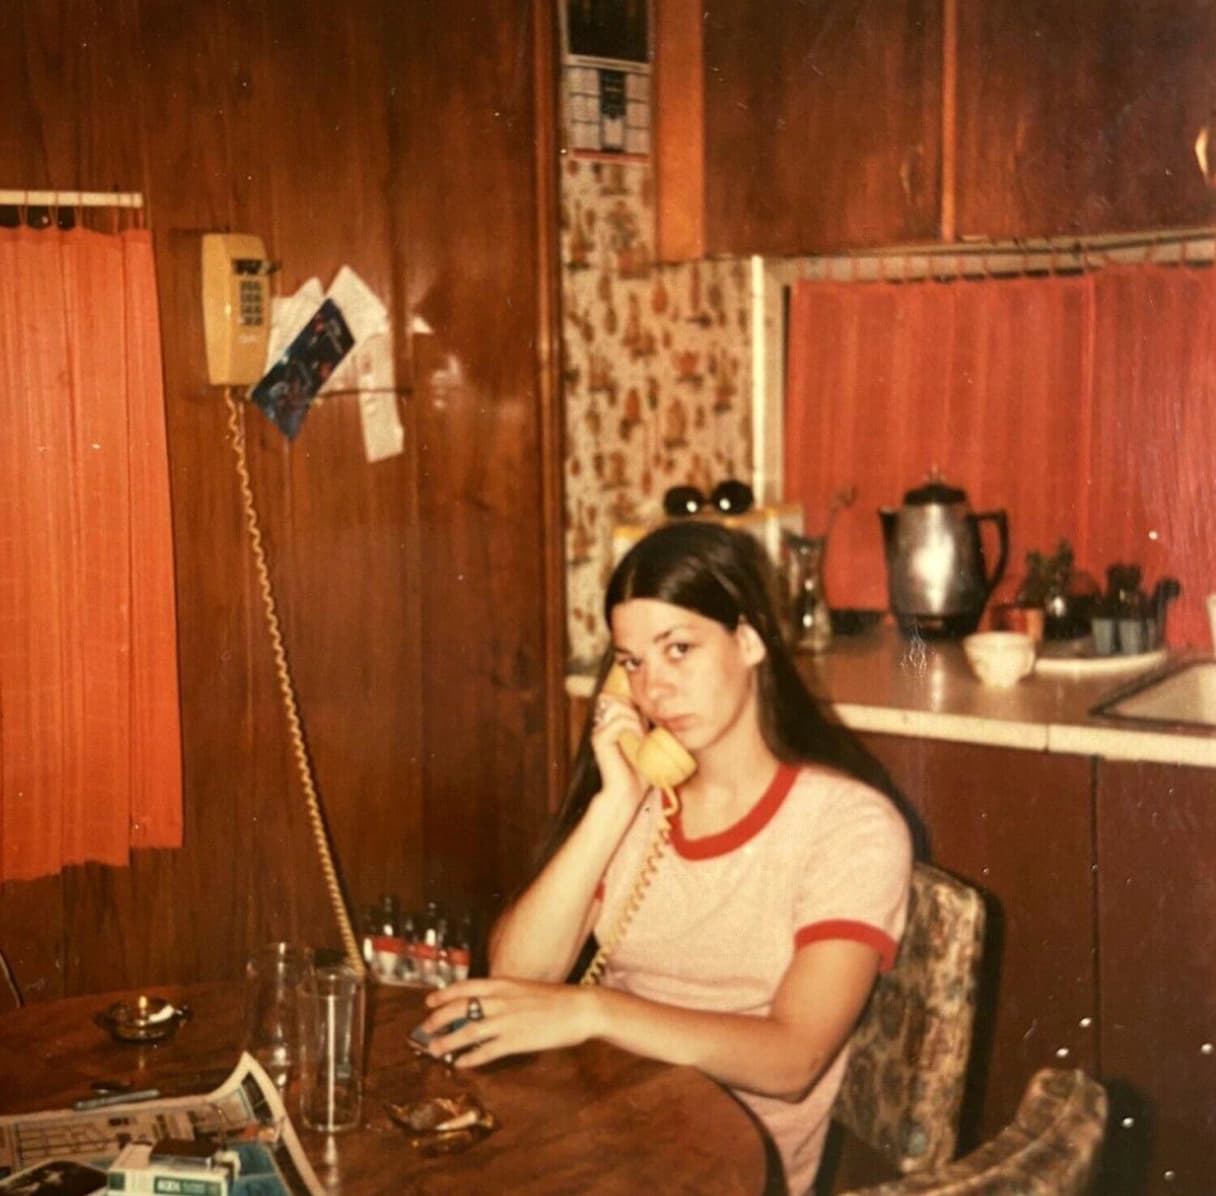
751	949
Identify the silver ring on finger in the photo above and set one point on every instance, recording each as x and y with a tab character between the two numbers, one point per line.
473	1011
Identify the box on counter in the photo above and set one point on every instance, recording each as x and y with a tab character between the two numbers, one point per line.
766	523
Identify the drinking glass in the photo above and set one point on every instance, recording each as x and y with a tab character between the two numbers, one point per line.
331	1047
272	979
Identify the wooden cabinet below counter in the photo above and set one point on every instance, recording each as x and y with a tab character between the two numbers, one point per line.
1102	951
1018	826
1156	939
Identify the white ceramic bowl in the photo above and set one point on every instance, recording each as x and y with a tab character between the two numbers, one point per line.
1000	658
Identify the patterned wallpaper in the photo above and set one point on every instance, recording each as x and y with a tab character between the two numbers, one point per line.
656	377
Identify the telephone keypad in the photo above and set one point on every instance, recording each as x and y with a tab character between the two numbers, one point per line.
252	301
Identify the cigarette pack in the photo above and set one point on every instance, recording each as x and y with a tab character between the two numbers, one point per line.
173	1167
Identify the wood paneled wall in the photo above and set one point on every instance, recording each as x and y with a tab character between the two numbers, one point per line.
417	593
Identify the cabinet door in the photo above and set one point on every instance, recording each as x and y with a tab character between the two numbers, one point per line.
1158	94
1156	836
1081	117
822	124
1017	825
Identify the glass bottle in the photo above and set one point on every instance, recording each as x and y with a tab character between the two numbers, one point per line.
388	946
1131	608
430	939
460	950
408	967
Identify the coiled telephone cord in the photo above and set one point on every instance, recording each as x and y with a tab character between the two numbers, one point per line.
662	835
287	692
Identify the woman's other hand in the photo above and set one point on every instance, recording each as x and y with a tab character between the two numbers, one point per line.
506	1017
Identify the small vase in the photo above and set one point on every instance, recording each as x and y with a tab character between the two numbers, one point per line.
808	618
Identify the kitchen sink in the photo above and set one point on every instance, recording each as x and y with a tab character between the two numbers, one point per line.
1184	696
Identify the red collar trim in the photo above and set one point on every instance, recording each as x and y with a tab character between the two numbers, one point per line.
750	825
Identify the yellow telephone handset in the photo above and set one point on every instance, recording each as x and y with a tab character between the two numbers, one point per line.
660	757
665	762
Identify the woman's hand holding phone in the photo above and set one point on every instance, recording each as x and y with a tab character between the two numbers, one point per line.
616	719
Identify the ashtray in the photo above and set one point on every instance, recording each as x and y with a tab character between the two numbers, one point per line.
443	1124
145	1019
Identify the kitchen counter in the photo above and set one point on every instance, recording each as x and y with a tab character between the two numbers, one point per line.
880	681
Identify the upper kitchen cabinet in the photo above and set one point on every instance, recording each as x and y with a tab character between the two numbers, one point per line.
1082	118
821	125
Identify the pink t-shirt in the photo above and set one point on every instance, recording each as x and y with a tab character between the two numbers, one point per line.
819	856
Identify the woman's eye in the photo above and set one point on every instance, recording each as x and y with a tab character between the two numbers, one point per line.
679	650
629	664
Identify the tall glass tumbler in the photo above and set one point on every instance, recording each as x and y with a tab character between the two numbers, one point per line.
272	1020
332	1004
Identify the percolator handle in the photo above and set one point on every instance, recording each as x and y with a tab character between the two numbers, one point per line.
1001	519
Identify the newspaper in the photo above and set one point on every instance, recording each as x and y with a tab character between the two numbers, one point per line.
66	1152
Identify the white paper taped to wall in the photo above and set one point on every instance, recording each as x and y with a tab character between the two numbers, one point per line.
383	435
366	317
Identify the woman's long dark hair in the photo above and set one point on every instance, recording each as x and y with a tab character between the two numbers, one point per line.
723	575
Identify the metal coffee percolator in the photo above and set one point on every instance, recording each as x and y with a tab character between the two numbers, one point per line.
936	580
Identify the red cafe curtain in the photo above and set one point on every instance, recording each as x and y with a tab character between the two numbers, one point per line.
983	381
1082	405
1151	476
90	756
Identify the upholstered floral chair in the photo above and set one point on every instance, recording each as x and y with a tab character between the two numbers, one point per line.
903	1090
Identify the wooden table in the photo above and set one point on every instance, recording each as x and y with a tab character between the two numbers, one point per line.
588	1120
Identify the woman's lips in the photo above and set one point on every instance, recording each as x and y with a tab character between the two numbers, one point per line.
677	723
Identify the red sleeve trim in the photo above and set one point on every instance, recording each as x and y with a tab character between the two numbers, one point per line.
857	932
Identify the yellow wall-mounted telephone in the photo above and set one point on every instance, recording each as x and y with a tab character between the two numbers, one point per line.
236	308
660	757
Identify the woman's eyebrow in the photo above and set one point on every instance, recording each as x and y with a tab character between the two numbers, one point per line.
677	629
666	634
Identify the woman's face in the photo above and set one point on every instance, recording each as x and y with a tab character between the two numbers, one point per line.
686	672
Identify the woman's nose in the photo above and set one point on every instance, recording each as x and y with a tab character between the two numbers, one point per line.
656	685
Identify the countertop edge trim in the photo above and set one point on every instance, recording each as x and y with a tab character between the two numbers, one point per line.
1107	743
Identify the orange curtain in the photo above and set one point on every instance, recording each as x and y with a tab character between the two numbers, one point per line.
90	740
982	381
1081	405
1151	480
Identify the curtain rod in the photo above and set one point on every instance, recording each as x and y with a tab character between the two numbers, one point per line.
975	258
71	199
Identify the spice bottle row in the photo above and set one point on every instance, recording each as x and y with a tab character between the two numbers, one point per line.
424	947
